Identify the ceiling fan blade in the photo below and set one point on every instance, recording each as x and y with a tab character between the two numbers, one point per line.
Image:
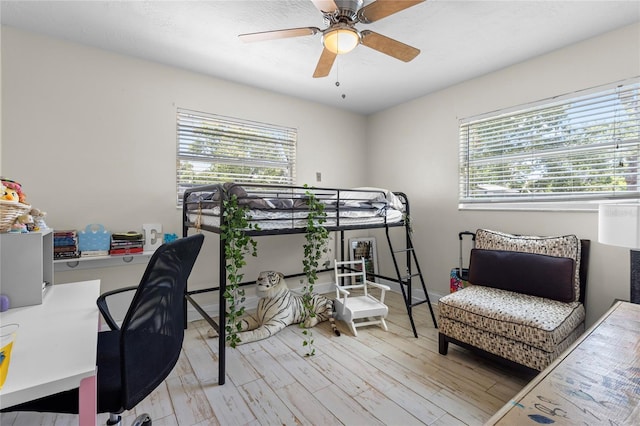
325	6
382	8
389	46
324	64
272	35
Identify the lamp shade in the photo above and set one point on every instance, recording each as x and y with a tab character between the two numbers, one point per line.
619	225
341	40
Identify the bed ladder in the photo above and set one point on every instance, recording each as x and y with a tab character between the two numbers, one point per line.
406	280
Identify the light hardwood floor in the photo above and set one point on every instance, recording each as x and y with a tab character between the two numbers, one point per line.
378	378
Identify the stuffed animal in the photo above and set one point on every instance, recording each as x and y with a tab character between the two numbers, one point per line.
8	194
38	219
278	307
18	228
27	221
12	191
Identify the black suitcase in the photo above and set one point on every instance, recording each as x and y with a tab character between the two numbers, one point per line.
459	277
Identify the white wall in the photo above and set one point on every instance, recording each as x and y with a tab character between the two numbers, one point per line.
414	147
91	135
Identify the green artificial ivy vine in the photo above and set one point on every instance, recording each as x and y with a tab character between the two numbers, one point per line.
237	244
314	248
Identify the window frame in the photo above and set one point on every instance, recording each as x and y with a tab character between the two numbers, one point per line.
226	143
505	197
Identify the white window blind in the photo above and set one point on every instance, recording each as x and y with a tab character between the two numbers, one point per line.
578	147
216	149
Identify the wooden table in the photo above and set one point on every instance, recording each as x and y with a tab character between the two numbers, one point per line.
594	382
55	348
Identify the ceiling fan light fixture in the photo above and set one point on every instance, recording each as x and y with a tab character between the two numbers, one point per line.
341	40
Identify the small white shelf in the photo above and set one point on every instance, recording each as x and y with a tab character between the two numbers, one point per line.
61	265
26	266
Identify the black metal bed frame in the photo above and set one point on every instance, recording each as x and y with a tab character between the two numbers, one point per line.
404	281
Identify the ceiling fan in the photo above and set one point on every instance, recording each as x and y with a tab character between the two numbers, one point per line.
341	35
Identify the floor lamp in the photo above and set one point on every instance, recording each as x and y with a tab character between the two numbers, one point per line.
619	225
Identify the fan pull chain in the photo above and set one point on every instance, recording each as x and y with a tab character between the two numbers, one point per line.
338	75
338	71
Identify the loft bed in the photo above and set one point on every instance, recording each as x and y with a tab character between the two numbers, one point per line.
281	210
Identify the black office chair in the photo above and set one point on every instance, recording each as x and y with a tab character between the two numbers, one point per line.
135	358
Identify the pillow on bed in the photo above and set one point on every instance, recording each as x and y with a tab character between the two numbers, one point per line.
371	194
559	246
528	273
392	199
231	188
244	199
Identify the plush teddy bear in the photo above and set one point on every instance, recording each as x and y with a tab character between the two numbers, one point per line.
27	221
38	219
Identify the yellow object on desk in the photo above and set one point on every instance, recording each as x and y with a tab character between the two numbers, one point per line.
7	337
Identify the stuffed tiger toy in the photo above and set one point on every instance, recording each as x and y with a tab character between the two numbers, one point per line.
278	307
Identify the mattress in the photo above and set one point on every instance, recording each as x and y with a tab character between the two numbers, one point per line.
280	219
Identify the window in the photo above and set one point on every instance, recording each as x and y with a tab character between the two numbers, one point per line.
579	147
215	149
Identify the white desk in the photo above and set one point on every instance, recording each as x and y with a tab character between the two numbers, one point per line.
55	348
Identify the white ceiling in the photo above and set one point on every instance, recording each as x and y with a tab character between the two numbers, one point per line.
458	40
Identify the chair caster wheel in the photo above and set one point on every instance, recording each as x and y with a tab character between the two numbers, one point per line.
142	420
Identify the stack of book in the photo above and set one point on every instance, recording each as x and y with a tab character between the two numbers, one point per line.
65	244
126	243
94	253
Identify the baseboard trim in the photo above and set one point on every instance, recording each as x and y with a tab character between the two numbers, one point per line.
251	302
